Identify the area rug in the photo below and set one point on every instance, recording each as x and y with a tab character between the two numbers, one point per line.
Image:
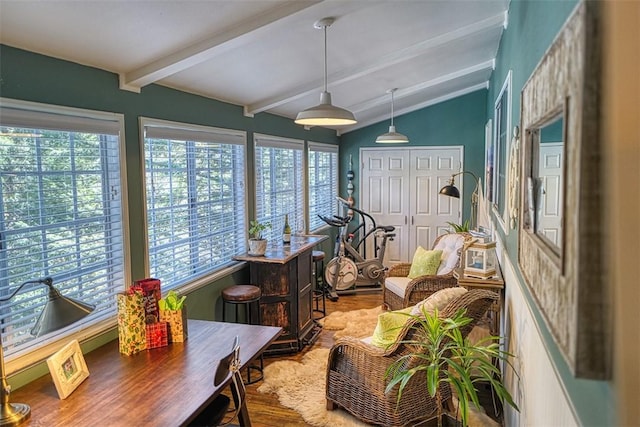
301	387
355	323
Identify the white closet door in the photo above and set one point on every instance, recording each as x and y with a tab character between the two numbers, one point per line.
431	170
384	194
400	187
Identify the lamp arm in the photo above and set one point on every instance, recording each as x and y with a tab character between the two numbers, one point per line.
46	281
474	195
463	172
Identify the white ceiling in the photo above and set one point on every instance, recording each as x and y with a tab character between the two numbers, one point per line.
266	55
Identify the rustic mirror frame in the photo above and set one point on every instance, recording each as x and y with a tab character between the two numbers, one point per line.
569	288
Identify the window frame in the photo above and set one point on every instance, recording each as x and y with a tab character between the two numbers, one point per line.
299	212
181	129
76	120
501	151
322	148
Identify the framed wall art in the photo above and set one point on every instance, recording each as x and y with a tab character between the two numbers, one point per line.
561	215
68	369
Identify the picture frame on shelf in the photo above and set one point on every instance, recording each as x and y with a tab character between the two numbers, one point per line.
68	369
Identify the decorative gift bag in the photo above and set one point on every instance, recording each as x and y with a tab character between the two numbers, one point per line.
151	292
174	312
157	335
131	322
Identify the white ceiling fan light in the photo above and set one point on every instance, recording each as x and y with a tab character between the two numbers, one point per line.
325	113
392	137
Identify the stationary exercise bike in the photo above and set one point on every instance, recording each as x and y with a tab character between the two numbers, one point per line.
349	268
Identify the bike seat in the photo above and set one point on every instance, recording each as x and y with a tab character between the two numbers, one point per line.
387	228
342	219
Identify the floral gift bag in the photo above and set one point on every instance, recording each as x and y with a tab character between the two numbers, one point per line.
131	322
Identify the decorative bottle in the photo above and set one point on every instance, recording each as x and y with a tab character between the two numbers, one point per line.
286	232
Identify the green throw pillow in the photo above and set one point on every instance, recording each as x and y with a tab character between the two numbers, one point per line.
424	262
389	326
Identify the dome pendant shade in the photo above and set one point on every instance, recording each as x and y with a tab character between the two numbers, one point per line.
325	114
450	190
392	137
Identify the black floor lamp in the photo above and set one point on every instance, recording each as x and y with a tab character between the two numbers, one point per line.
452	191
58	312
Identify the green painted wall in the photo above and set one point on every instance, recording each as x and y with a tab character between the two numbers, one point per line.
533	25
459	121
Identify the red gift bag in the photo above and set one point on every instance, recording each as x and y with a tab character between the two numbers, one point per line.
151	292
157	335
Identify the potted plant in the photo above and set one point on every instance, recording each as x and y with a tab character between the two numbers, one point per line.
448	357
257	244
459	228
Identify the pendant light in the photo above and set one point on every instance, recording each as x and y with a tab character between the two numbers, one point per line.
325	114
392	137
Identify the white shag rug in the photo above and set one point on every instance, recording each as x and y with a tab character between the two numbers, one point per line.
355	323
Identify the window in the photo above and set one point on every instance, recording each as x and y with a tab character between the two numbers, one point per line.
195	199
61	211
323	183
279	183
502	117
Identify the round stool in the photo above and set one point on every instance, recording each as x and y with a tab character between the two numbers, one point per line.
248	296
319	291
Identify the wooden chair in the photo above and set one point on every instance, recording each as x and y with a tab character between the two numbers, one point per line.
356	372
214	413
401	292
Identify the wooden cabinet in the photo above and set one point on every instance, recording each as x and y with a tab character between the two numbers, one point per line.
284	274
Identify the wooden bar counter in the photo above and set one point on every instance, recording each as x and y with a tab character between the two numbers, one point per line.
166	386
284	274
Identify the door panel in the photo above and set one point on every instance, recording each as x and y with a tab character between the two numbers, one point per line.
431	169
551	191
391	172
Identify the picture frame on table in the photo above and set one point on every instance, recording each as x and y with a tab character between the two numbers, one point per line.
68	369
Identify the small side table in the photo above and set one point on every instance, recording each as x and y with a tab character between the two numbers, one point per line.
496	284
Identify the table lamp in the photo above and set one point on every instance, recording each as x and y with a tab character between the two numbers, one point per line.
59	311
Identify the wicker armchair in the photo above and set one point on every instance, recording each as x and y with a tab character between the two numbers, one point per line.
400	292
356	372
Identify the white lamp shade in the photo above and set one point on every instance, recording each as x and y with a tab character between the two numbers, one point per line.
392	137
325	114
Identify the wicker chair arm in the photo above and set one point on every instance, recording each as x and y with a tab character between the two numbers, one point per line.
399	270
353	358
424	286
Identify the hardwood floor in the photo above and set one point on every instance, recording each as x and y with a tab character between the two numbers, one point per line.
266	411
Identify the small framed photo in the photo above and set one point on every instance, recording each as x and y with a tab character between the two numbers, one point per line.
68	368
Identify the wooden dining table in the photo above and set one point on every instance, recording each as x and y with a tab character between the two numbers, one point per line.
166	386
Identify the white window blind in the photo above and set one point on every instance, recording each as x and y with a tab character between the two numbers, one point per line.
323	183
60	213
195	199
279	183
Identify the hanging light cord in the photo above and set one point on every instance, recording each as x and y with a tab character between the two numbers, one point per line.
325	58
392	107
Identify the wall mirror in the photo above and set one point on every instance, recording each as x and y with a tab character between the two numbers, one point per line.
547	183
560	250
